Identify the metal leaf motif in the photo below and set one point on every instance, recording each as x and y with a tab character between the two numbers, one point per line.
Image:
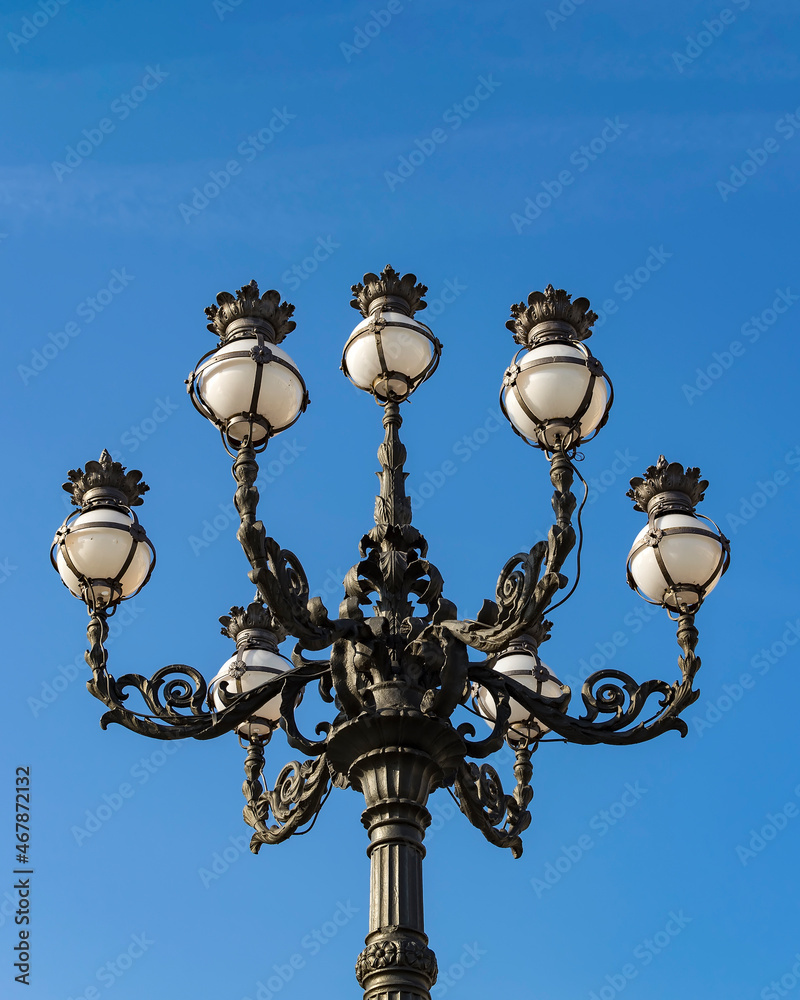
248	303
551	304
397	653
666	476
106	472
614	693
481	798
298	796
389	282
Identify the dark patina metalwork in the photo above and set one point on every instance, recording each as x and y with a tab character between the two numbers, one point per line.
397	670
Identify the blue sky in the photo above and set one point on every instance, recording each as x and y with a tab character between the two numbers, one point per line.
630	153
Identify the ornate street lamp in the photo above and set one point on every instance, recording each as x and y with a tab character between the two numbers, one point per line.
398	666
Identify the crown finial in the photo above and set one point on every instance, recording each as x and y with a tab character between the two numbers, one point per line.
388	285
254	616
248	304
108	476
666	477
545	308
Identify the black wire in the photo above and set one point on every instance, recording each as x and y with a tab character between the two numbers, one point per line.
310	827
552	607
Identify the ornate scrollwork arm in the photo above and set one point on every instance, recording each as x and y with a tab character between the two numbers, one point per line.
293	686
501	818
611	693
299	794
524	591
276	572
175	688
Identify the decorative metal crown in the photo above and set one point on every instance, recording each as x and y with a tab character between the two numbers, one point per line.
255	615
248	304
388	283
666	477
106	473
552	303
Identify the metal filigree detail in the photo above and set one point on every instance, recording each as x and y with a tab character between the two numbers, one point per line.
388	283
106	474
405	953
173	690
297	798
276	572
254	616
610	693
666	477
523	591
543	307
482	800
398	665
249	304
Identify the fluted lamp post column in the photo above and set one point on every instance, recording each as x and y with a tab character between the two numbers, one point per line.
398	668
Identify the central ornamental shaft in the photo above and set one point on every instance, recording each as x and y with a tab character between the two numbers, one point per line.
397	963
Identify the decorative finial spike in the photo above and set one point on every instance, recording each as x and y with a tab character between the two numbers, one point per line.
255	616
106	473
666	477
388	283
554	304
249	304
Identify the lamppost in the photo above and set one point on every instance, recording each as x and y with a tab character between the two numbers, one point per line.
398	666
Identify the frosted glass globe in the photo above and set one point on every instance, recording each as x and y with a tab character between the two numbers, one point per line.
99	553
261	666
226	383
692	560
405	350
554	392
520	667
